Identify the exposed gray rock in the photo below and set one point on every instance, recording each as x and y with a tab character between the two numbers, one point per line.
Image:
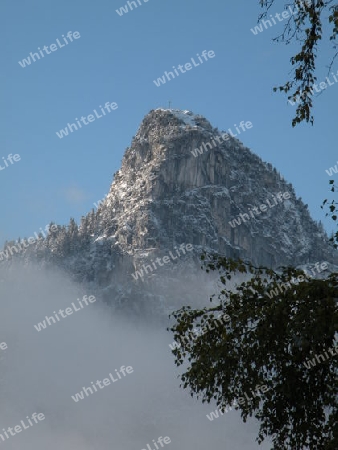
163	196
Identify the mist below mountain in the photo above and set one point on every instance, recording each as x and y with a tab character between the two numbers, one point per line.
41	371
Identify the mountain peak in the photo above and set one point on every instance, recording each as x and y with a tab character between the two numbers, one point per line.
166	194
187	118
173	121
180	183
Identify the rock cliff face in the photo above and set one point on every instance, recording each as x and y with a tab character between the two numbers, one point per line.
168	193
164	195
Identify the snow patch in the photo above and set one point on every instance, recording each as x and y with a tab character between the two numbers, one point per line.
188	117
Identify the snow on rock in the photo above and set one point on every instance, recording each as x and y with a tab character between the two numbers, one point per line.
163	196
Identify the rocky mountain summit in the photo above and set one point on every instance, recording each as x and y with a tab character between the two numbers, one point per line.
163	196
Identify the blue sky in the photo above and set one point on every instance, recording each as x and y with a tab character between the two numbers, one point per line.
116	59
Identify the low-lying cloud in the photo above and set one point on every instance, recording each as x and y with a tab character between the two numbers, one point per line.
41	371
